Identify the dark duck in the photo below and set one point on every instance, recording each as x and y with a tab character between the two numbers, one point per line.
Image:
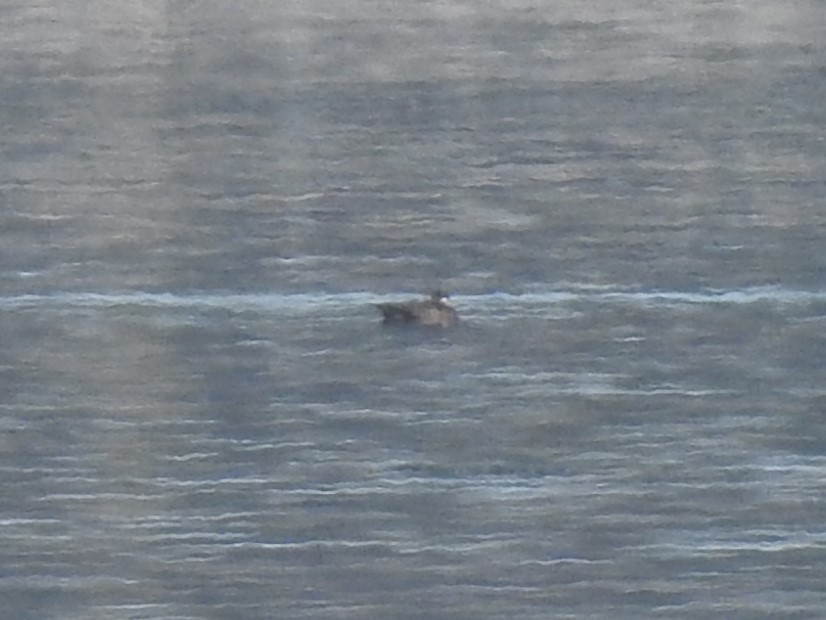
433	312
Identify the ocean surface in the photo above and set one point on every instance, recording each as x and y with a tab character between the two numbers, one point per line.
202	416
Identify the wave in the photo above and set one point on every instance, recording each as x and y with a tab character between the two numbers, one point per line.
320	300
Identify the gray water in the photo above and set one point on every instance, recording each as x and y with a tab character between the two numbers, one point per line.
201	415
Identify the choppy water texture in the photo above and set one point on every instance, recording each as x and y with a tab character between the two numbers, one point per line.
201	415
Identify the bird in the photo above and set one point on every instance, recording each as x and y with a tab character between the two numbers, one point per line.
433	312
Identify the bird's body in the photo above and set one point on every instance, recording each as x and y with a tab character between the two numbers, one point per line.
432	312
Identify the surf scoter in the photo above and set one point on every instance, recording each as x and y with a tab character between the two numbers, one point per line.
433	312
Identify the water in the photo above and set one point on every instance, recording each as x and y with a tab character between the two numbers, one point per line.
201	415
